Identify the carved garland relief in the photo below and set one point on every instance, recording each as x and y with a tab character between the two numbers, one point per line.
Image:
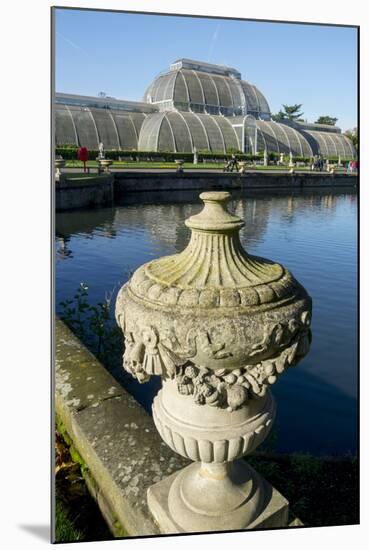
149	352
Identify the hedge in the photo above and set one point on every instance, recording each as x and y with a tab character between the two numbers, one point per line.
69	152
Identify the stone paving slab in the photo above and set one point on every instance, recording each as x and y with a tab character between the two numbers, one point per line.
113	434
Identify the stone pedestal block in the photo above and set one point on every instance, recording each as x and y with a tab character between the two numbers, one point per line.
175	515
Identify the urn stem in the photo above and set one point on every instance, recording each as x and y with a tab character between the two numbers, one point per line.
216	470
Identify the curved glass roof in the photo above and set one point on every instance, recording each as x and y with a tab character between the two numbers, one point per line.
104	103
181	132
204	66
284	138
331	144
280	138
204	91
87	127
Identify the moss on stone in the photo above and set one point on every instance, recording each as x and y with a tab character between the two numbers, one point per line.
76	457
119	531
62	430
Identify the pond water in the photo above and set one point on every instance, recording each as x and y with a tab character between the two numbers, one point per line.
313	233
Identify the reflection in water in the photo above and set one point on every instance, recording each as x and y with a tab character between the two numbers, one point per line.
83	221
61	249
313	233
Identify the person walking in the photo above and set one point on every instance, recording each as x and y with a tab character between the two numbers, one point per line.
231	164
82	155
234	163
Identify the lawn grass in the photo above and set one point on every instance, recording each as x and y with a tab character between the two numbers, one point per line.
65	530
77	516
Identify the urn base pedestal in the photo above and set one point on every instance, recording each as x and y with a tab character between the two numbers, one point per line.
252	502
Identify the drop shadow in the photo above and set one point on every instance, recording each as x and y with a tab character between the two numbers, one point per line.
42	532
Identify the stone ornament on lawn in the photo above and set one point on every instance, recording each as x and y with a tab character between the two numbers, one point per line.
101	154
219	326
179	163
59	164
103	165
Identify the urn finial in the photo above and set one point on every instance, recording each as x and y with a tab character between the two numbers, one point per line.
215	216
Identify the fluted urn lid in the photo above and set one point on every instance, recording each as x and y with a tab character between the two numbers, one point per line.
214	270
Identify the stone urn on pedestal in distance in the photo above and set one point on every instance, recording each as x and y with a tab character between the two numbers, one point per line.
59	164
219	326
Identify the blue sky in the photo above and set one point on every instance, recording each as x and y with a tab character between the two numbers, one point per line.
121	54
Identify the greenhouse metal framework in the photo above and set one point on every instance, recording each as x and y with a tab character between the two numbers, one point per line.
194	105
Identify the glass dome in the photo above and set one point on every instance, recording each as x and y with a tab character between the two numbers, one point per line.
206	88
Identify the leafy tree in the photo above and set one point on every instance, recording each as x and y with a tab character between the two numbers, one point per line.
326	120
279	116
290	112
352	134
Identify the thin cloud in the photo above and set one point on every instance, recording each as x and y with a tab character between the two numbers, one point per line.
213	41
73	44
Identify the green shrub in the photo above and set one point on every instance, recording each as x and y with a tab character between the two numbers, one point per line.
69	152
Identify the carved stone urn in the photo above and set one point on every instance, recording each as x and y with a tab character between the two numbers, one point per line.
103	165
179	163
59	164
219	326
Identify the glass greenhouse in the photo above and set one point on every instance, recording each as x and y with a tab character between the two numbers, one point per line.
209	89
88	126
193	105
